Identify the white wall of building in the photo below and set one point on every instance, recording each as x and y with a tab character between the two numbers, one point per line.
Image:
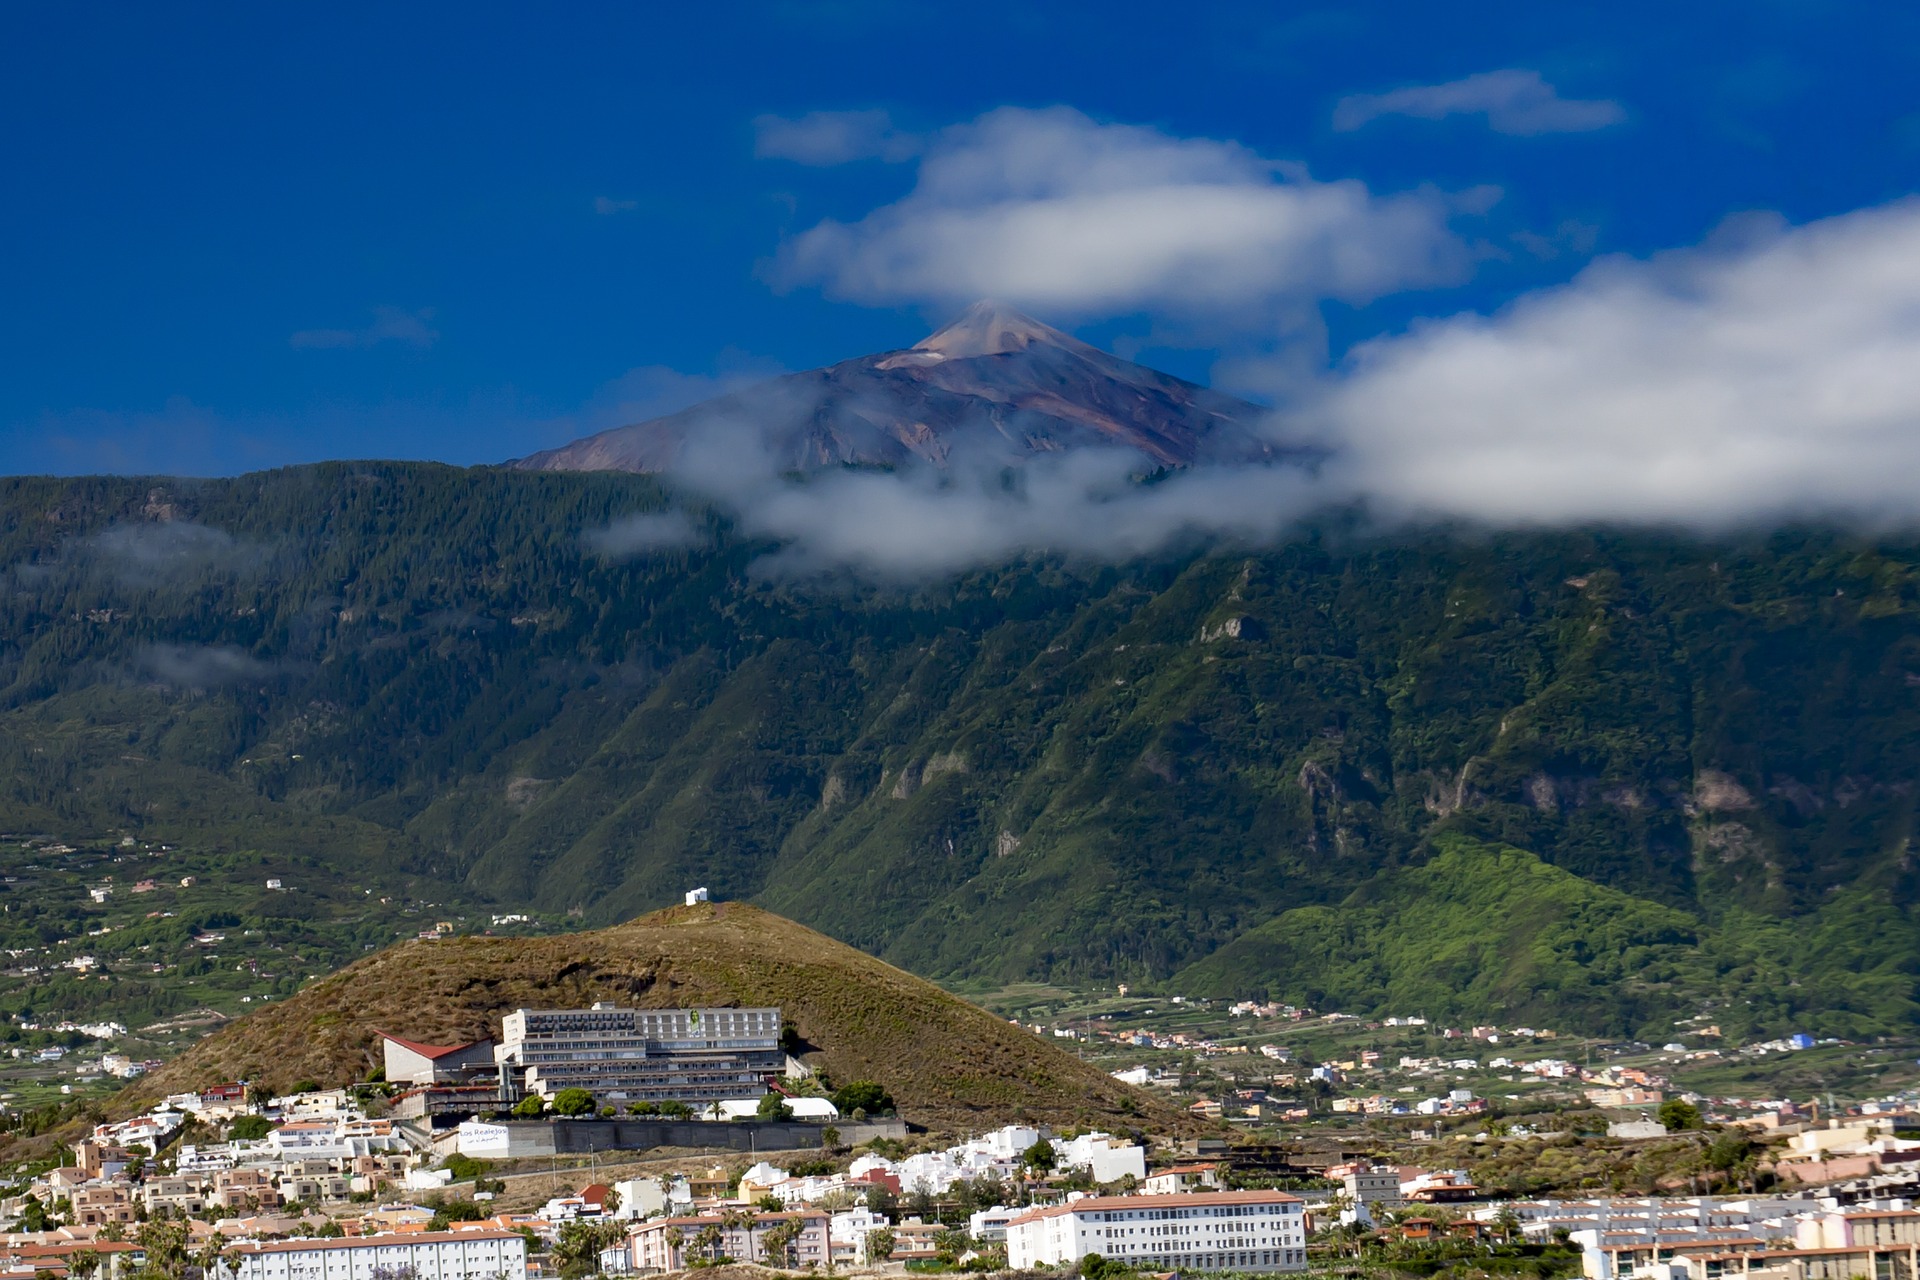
1207	1231
443	1255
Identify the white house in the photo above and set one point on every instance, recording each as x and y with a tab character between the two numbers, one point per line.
847	1233
1205	1231
646	1198
427	1255
1106	1157
990	1225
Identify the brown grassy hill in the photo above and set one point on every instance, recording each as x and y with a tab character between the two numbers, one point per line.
948	1064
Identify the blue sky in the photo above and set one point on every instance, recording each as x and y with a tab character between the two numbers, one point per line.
243	236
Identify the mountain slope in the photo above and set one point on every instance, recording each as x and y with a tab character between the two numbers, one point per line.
993	381
1485	929
1042	770
947	1063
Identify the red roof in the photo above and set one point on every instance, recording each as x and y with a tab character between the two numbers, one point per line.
429	1050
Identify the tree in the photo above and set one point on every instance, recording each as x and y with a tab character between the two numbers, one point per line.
207	1256
1678	1113
778	1242
82	1263
948	1245
1040	1157
829	1136
166	1246
573	1102
249	1129
675	1239
577	1251
879	1244
707	1242
674	1109
861	1095
531	1107
773	1107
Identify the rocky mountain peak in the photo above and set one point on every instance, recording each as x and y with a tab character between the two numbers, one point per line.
989	328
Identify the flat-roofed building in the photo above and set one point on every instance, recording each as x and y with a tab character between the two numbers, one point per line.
1202	1231
794	1239
645	1055
1888	1262
425	1255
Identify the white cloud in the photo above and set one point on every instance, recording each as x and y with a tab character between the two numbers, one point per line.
920	522
1772	374
833	137
1054	211
1513	101
638	534
390	324
202	667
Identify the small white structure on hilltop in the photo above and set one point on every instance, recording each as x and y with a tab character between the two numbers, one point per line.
696	895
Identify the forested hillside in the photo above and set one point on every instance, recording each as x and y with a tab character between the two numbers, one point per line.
1282	772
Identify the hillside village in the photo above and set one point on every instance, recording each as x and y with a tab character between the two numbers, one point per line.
483	1158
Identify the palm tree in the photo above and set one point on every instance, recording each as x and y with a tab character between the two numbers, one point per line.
208	1256
675	1239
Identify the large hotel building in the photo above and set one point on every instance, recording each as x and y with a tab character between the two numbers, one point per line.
1199	1231
642	1055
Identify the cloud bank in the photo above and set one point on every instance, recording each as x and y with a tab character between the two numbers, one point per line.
1054	211
1772	374
1769	375
1512	101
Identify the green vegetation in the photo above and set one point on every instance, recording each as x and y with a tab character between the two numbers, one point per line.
1490	931
573	1102
422	683
862	1095
249	1129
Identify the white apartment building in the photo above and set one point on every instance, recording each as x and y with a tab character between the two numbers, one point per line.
1374	1185
686	1055
427	1255
1201	1231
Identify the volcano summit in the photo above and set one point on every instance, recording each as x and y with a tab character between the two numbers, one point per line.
993	379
